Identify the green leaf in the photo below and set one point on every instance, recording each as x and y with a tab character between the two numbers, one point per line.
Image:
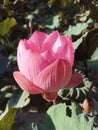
40	121
45	125
28	126
5	2
53	22
76	30
88	46
95	128
61	117
19	99
59	3
82	17
79	41
77	121
7	119
6	25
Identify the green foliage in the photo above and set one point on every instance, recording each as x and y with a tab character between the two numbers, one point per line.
18	100
44	124
5	2
55	22
7	119
82	17
3	64
76	30
88	45
60	117
79	41
96	121
60	4
29	126
81	92
76	121
6	25
77	18
21	100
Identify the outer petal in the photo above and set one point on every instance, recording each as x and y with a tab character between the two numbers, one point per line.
26	85
25	45
50	96
75	80
54	76
30	64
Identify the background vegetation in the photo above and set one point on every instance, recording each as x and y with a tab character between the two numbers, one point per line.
76	108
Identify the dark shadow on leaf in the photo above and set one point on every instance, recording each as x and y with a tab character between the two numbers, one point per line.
33	121
68	112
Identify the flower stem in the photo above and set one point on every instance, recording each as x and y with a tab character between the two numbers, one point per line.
54	102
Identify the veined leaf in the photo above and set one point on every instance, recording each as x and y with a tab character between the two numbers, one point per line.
77	121
76	30
62	117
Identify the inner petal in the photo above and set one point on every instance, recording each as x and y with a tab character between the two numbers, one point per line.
38	38
50	40
56	45
48	55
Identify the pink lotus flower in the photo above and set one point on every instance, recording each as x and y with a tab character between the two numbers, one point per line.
45	63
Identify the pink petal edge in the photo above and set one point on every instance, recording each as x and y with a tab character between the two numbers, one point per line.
25	84
38	38
50	40
75	80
